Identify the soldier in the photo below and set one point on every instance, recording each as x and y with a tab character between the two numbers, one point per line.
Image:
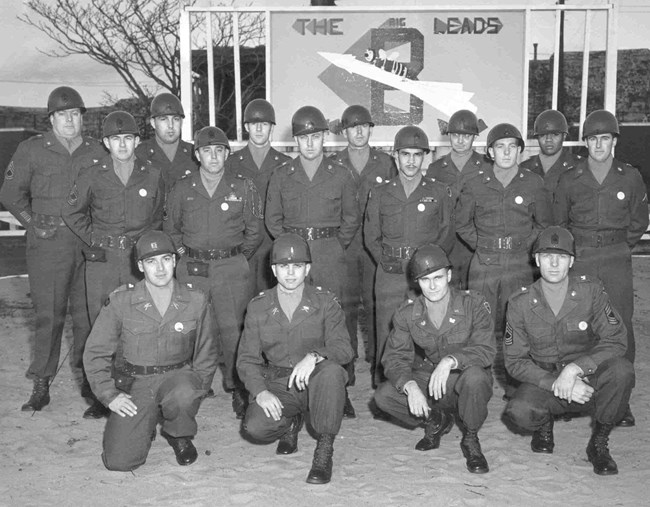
37	182
403	214
166	150
294	343
442	343
603	202
565	343
551	129
161	331
111	204
257	161
460	164
215	220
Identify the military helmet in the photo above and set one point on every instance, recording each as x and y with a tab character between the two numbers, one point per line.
119	122
427	259
208	136
165	104
356	115
463	122
411	137
259	111
555	239
600	122
63	98
307	120
550	121
290	248
503	131
153	243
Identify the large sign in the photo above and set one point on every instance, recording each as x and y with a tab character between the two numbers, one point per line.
415	68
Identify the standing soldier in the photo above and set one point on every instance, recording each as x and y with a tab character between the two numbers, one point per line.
37	183
603	202
460	164
166	150
257	161
215	220
403	214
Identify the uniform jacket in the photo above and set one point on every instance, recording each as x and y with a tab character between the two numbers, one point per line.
183	163
231	217
445	171
619	203
41	174
241	162
586	331
466	334
129	325
99	204
566	161
318	325
328	200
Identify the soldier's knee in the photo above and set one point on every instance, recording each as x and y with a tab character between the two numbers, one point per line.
117	461
521	414
257	427
331	373
383	394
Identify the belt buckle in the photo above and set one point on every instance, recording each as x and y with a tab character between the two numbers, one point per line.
599	239
508	243
310	233
121	242
408	251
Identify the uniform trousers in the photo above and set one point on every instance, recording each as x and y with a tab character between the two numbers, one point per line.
261	277
460	258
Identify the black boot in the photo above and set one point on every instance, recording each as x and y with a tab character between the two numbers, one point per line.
96	410
183	449
476	462
40	395
239	402
542	440
628	419
321	466
288	443
438	423
348	409
598	452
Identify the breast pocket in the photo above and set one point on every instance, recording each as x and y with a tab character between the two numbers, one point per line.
178	340
108	203
617	205
579	334
331	200
392	221
48	182
427	216
139	340
488	210
291	204
143	200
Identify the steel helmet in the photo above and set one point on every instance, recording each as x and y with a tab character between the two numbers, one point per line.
411	137
153	243
463	122
503	131
307	120
119	122
209	136
356	115
290	248
555	239
600	122
259	111
166	103
63	98
427	259
550	121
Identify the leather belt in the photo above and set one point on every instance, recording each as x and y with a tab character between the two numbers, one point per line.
118	242
135	369
599	239
212	254
398	252
40	220
312	233
502	243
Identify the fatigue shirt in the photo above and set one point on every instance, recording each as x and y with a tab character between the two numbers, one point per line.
425	216
241	162
445	171
328	200
183	163
619	203
99	203
586	331
566	161
129	324
41	174
466	333
317	325
232	217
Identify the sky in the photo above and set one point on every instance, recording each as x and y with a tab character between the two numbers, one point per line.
27	76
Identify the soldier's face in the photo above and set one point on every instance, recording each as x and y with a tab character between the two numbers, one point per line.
409	161
359	135
461	143
67	123
311	145
291	276
167	128
212	158
122	146
159	269
504	152
600	146
435	286
553	266
551	143
259	133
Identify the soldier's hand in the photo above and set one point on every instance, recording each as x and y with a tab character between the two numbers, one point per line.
438	380
582	392
302	371
271	404
563	385
123	406
417	401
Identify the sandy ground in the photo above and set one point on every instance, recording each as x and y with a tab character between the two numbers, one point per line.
52	457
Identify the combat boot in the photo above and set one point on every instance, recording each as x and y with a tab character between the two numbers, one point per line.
438	423
542	440
321	466
628	419
40	395
96	410
348	409
598	451
288	443
476	462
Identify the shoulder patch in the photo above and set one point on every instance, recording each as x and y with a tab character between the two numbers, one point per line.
486	305
507	336
9	174
612	319
73	196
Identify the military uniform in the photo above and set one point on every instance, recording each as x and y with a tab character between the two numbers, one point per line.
172	170
607	220
109	217
170	359
566	161
37	183
216	235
